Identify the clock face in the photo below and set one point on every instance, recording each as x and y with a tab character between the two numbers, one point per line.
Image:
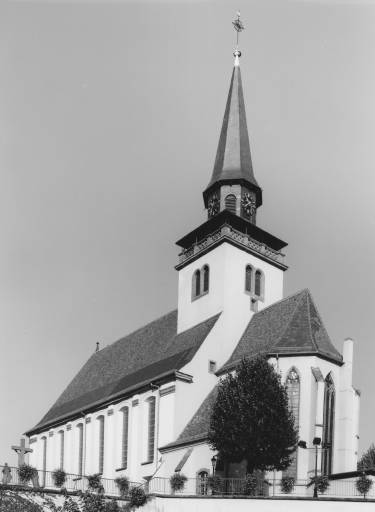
248	204
213	205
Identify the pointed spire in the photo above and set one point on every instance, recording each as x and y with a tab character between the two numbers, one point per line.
233	157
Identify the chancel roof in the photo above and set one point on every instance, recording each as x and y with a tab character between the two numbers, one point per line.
148	353
291	326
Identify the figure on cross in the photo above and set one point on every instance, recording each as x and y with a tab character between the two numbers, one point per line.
21	451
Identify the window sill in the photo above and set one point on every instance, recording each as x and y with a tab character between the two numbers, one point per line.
196	297
121	469
147	462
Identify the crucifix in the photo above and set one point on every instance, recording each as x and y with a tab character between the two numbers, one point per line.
21	451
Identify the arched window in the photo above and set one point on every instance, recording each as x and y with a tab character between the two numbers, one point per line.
125	440
151	429
206	278
202	482
80	448
62	449
328	425
197	283
248	278
293	389
258	288
44	462
101	444
230	203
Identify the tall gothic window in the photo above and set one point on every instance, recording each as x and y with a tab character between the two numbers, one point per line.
125	440
230	203
197	283
101	443
328	425
62	449
151	429
80	448
44	448
258	283
248	278
206	278
293	389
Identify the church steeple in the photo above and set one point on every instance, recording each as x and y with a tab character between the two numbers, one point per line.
233	185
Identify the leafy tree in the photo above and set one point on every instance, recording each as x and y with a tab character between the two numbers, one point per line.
251	420
367	461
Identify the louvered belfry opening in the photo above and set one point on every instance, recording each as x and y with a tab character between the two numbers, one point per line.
231	203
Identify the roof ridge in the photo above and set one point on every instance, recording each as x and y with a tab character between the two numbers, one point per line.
309	316
131	333
259	313
305	291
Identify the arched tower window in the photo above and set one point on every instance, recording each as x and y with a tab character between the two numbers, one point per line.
101	444
197	283
80	448
248	278
62	448
206	278
230	203
125	438
328	425
151	429
258	286
293	389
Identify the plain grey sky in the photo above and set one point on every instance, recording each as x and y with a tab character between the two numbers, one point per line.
109	119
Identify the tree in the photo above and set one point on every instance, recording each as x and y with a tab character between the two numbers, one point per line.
251	420
367	461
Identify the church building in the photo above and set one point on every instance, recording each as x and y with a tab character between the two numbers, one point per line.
140	407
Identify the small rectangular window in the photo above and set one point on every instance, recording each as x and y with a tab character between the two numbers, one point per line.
212	366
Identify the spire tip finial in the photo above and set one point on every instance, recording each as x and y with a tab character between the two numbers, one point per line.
238	27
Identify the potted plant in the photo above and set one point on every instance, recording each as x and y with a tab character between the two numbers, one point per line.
363	484
215	484
59	477
322	483
122	483
177	481
95	482
27	473
137	496
287	484
250	484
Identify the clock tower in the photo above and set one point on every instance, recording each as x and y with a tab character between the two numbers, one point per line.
228	264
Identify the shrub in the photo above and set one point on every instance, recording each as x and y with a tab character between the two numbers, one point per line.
215	484
59	477
26	473
137	496
95	482
122	483
92	502
250	485
322	483
287	484
363	484
112	506
177	481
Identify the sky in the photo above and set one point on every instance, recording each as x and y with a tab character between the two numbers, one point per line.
110	115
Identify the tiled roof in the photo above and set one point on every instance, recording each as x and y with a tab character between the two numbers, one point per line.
147	353
288	327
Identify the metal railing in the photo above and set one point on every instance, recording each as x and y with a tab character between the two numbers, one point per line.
268	488
44	479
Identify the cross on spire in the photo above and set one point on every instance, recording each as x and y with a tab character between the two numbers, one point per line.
21	451
238	27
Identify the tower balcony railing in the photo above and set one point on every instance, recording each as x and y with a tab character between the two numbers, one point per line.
242	239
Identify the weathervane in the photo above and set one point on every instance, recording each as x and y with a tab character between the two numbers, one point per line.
238	27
